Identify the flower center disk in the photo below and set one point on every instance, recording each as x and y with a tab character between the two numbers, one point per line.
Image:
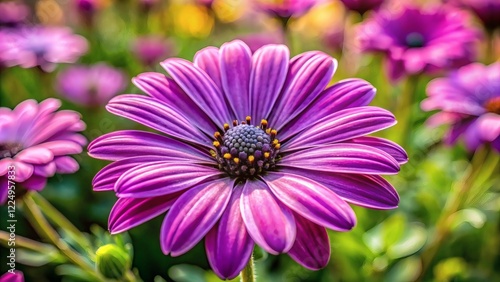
493	105
246	150
415	40
9	150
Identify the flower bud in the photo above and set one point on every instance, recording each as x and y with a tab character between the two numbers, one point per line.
112	261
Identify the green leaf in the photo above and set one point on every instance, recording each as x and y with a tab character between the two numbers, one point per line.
36	259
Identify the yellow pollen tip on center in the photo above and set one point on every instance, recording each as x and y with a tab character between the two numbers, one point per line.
227	156
236	160
251	158
216	143
275	141
267	154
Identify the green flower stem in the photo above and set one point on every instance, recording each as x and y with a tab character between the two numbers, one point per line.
483	166
25	243
248	273
59	220
404	112
490	48
45	230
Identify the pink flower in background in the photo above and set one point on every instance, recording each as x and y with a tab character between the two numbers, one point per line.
150	50
41	46
488	11
285	8
35	142
362	6
468	100
417	41
13	14
15	276
90	86
257	40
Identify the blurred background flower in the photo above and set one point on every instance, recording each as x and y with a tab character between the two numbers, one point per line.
486	10
362	6
150	50
13	14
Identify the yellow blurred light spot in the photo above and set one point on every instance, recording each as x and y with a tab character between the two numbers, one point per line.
192	20
228	10
319	19
49	12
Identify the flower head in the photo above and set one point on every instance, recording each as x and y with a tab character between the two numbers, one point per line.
418	41
487	11
469	100
12	14
42	46
150	50
35	143
15	276
90	86
251	149
362	6
285	8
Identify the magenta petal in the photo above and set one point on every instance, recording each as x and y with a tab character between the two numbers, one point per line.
270	65
160	178
228	244
343	125
130	212
23	171
35	155
308	75
161	87
312	245
202	90
207	59
370	191
66	165
345	94
235	67
106	178
35	182
347	158
154	114
193	215
393	149
270	223
311	200
131	143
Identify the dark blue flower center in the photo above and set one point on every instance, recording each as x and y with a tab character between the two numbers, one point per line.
246	150
9	150
415	40
493	105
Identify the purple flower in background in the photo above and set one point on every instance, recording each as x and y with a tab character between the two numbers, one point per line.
252	149
469	100
90	86
150	50
15	276
417	41
35	142
12	14
285	8
41	46
362	6
488	11
257	40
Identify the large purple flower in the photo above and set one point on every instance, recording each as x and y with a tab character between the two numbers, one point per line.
91	86
35	142
251	149
42	46
415	41
285	8
469	100
488	11
362	6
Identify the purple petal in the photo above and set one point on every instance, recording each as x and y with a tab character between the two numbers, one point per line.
348	93
160	178
23	170
270	66
311	200
235	67
156	115
347	158
35	182
35	155
106	178
193	215
228	244
371	191
308	75
393	149
343	125
62	147
200	88
270	224
130	143
66	165
159	86
130	212
207	59
312	246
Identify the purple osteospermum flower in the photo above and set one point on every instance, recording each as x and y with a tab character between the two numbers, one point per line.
91	85
42	46
362	6
286	156
150	50
488	11
12	14
15	276
36	140
469	100
416	41
285	8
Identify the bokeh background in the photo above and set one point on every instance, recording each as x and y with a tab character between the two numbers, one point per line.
133	36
